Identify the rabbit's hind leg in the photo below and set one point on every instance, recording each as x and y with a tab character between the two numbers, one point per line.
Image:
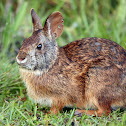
103	109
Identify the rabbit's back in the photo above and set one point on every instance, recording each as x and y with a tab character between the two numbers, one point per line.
103	69
89	50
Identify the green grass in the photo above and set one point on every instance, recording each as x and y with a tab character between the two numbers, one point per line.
84	18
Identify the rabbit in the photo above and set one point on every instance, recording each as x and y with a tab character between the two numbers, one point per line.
86	73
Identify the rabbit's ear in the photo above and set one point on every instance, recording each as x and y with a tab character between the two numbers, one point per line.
36	21
54	25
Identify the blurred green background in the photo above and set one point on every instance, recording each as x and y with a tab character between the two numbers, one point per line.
82	18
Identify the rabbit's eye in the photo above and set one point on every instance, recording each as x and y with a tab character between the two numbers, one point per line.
39	46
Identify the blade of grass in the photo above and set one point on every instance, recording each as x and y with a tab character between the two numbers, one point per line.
20	16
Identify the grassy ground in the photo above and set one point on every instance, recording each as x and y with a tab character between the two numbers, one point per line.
84	18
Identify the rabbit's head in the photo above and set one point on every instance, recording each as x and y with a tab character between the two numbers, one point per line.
39	51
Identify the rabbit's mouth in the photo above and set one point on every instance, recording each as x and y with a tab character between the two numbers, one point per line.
24	63
21	61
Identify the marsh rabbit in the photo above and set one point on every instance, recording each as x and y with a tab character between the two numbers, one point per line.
88	73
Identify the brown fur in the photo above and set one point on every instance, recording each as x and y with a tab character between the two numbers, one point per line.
90	72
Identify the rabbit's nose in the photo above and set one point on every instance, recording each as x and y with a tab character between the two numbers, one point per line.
21	57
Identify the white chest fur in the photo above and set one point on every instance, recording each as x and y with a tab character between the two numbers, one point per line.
32	93
44	101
